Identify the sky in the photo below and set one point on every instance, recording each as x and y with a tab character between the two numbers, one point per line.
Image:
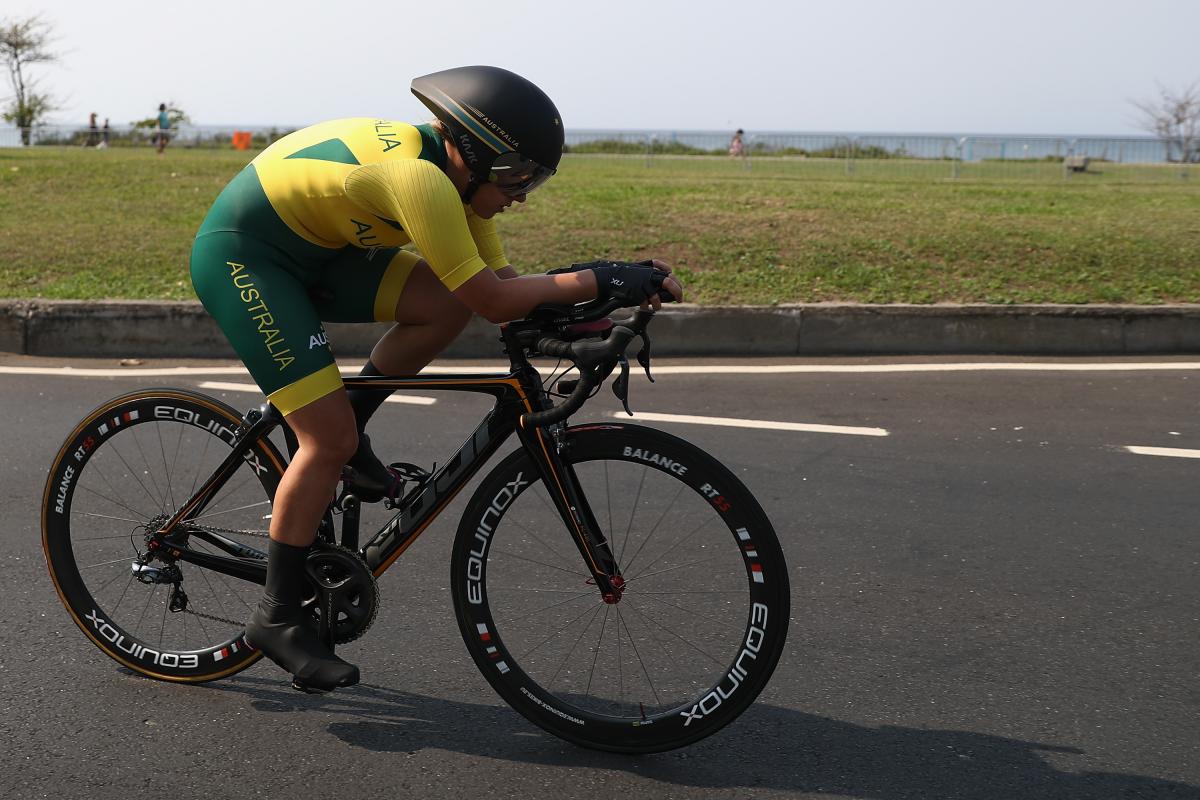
871	66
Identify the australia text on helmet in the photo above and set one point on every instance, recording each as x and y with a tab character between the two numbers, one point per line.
486	120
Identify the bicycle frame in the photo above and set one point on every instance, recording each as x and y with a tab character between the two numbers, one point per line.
517	392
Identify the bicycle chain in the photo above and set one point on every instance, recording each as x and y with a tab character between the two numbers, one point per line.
226	531
239	623
211	529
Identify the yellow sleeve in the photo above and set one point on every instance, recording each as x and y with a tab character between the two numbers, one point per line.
422	199
483	231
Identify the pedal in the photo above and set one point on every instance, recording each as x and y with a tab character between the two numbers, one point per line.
407	473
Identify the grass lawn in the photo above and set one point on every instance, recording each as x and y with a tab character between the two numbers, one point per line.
118	223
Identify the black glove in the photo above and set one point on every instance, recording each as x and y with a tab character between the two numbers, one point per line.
632	284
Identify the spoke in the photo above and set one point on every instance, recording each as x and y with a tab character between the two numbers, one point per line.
163	626
224	579
110	500
126	559
667	552
125	536
696	591
499	551
162	498
654	530
105	585
201	460
638	655
217	597
495	589
608	501
178	449
203	630
223	494
554	635
691	611
153	594
633	509
578	639
102	516
620	665
134	475
665	629
208	515
552	605
535	537
553	515
121	599
587	692
644	575
162	448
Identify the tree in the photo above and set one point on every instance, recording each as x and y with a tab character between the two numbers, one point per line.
1174	117
22	43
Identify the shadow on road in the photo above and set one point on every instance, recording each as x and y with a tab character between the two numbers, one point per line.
767	747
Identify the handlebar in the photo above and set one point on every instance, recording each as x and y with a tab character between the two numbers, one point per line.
595	360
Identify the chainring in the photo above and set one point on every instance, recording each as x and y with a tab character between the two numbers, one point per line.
354	591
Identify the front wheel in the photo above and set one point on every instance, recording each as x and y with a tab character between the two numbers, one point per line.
701	623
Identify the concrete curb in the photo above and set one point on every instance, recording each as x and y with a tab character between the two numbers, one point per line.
131	328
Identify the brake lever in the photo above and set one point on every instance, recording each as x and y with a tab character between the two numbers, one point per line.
643	355
620	386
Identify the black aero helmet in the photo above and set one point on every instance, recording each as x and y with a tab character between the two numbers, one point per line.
507	130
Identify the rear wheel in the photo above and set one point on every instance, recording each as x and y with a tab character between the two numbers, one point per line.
123	471
697	631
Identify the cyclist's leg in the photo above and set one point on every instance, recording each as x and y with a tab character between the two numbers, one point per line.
428	318
362	286
266	313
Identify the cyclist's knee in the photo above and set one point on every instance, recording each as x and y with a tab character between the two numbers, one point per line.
325	429
453	316
426	301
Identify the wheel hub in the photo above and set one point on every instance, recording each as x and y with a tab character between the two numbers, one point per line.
614	597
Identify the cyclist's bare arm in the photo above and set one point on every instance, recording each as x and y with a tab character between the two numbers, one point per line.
502	296
501	300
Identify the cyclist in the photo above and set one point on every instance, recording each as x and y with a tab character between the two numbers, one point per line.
310	231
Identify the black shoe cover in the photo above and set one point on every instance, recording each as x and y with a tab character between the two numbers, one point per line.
367	477
294	645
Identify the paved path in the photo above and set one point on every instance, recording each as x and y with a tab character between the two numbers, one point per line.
996	599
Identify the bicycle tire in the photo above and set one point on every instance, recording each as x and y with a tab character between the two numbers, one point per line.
707	582
131	462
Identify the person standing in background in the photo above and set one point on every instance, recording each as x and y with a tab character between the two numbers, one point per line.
164	127
93	137
104	134
737	147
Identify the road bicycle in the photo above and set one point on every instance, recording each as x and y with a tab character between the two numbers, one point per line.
616	585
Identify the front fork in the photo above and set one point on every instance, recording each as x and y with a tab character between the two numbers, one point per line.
546	446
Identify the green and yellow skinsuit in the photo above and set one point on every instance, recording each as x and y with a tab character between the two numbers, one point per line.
311	231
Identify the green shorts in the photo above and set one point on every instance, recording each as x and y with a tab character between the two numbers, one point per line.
269	291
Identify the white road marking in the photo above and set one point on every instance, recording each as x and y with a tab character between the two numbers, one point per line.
731	422
411	399
699	369
1170	452
997	366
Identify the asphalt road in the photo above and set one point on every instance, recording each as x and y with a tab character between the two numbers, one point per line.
996	600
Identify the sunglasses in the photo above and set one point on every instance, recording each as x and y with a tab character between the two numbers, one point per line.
515	175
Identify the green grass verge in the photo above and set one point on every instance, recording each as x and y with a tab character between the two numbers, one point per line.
92	224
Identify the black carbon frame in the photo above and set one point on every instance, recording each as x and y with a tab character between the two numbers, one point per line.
516	392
